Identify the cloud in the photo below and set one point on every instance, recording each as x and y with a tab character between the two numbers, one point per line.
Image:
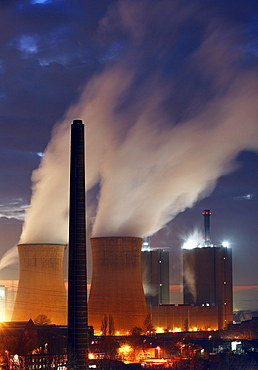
244	197
164	120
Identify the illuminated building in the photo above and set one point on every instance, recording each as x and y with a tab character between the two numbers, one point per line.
116	288
2	302
207	277
184	318
155	276
41	289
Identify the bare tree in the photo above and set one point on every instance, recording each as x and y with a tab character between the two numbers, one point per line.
104	325
111	326
42	320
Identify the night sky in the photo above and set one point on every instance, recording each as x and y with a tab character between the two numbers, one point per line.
168	91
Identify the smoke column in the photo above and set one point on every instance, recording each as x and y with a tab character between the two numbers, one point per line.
160	130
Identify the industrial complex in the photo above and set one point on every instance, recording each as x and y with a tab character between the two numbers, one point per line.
130	283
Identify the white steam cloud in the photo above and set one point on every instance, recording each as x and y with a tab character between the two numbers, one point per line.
155	145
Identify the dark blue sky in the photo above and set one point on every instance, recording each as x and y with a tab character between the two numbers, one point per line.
198	59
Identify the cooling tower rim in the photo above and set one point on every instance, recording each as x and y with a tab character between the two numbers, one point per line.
21	244
116	237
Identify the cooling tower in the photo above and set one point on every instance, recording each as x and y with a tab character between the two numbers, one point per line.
116	287
41	289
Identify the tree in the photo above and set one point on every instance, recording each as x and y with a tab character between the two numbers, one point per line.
42	320
136	330
148	327
111	326
107	325
104	325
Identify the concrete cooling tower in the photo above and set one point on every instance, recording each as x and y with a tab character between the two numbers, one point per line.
41	289
116	287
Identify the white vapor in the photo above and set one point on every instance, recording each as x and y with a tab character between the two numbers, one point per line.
9	258
150	165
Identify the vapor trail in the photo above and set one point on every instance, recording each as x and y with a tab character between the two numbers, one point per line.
159	131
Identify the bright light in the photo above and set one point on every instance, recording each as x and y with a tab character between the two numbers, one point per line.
177	330
225	244
159	330
125	351
125	348
193	240
91	356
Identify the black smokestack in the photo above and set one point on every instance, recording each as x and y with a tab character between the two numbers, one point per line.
77	275
207	237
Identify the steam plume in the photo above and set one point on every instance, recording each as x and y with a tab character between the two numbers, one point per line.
159	131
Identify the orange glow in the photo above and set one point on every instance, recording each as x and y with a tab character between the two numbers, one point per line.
159	330
177	330
125	352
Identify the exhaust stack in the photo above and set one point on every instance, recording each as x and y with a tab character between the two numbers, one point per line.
77	273
207	237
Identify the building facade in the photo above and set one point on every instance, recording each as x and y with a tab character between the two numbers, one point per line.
155	276
207	280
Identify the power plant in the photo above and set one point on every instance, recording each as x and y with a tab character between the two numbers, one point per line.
117	303
116	288
41	289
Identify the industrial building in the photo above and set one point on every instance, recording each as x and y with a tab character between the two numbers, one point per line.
208	280
179	318
207	276
207	289
155	276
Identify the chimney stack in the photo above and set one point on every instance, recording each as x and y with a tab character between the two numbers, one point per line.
77	272
207	238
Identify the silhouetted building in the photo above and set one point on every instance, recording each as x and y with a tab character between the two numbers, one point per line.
19	337
155	276
207	277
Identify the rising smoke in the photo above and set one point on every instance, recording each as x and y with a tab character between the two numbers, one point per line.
164	120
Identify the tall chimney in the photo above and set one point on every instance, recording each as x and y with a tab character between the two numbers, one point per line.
77	272
207	238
